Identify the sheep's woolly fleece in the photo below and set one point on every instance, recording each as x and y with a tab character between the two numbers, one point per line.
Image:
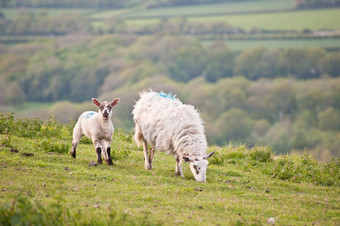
169	125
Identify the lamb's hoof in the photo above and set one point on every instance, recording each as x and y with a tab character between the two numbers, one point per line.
73	155
109	161
148	167
100	162
92	163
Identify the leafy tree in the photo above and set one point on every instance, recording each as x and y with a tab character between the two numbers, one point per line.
13	94
261	127
330	64
191	59
220	62
233	125
329	119
247	61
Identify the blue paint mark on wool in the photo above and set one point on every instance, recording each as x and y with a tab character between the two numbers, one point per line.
90	114
169	95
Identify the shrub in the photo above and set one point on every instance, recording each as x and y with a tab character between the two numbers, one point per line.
305	169
6	141
22	211
50	145
261	154
29	127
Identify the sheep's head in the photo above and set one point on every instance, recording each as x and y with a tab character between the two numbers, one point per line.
105	107
199	165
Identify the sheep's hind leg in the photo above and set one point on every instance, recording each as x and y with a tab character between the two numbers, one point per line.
146	156
152	153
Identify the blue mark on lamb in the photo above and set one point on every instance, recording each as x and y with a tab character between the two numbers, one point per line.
90	114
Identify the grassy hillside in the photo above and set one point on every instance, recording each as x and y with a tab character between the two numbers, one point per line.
40	182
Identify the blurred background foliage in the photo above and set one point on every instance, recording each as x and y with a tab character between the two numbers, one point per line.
56	55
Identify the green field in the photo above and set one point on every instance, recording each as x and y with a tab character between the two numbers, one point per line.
10	13
238	45
322	19
41	183
222	8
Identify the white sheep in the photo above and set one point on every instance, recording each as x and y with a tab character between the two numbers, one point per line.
98	127
168	125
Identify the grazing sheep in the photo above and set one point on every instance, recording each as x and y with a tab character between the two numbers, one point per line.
168	125
98	127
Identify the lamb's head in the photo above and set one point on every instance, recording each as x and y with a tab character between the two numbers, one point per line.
199	165
105	108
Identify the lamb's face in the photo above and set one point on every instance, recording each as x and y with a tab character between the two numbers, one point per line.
105	108
199	165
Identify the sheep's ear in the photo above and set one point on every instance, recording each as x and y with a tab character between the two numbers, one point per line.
209	155
96	102
115	102
188	159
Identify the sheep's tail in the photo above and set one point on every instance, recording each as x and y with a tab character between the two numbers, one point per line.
138	135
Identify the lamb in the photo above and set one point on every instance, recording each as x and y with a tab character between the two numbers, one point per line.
98	127
168	125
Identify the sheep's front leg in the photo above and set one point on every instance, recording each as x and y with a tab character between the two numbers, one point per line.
108	151
179	171
146	156
152	153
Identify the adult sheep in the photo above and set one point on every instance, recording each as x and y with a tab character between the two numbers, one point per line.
168	125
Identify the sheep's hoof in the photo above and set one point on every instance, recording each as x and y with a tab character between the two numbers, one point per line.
148	167
100	161
179	174
73	154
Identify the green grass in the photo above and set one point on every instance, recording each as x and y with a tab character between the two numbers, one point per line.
11	13
323	19
221	8
243	187
239	45
293	20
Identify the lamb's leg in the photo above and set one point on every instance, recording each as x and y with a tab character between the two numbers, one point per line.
99	155
179	171
146	156
108	151
77	135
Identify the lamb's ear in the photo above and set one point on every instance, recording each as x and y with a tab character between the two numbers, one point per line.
188	159
96	102
209	155
115	102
